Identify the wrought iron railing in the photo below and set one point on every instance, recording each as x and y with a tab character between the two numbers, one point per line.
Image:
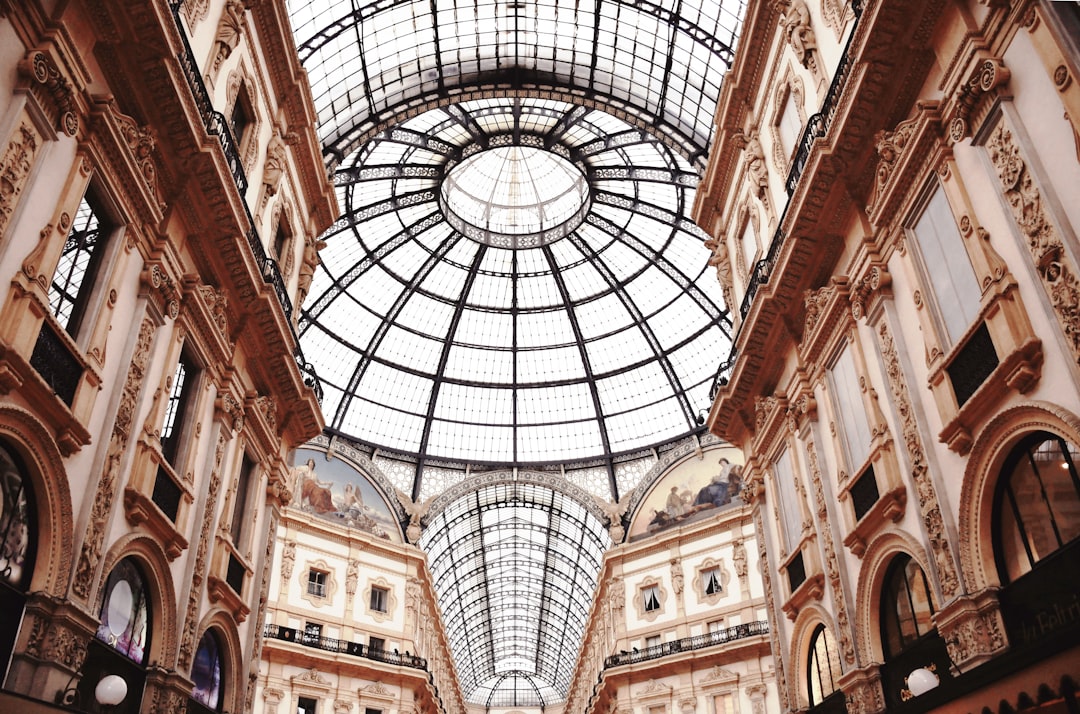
818	124
686	644
56	364
723	373
216	125
329	644
763	269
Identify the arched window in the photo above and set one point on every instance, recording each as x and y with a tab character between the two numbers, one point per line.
125	613
122	643
823	666
206	673
906	609
18	537
1037	509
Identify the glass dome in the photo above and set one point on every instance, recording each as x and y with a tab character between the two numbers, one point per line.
599	338
515	196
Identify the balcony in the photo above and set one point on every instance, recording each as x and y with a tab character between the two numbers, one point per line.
329	644
687	644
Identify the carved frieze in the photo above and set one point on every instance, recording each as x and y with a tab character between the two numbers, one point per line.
105	495
1055	268
971	100
15	167
52	91
929	507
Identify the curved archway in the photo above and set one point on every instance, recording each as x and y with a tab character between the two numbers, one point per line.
811	621
220	624
47	477
990	452
879	554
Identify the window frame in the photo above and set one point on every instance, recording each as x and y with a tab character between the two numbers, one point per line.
832	656
383	598
656	603
954	253
321	586
899	573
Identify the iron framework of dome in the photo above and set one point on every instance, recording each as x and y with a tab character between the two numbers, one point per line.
515	282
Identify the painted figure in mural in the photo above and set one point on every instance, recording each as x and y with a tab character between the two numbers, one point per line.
315	495
676	506
716	492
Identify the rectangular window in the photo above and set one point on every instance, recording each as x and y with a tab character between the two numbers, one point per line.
723	704
787	501
716	626
316	583
851	409
652	641
376	643
749	245
240	119
369	710
650	598
181	394
790	126
75	274
240	512
306	705
379	598
947	266
312	633
281	241
710	581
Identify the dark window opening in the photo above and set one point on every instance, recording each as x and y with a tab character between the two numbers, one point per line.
711	578
378	601
306	705
864	493
651	598
316	583
972	365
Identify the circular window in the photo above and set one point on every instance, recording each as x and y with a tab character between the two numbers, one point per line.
515	197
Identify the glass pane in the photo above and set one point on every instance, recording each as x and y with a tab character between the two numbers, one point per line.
206	672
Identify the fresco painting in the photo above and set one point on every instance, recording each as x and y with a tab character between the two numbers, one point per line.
338	492
690	492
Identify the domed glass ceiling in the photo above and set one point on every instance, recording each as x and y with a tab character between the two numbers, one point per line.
555	339
515	279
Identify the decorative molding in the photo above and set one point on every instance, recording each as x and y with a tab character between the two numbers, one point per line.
19	157
187	639
331	583
1055	267
929	507
105	495
51	90
832	567
970	102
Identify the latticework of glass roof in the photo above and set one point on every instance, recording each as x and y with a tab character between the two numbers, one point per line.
515	566
515	281
374	64
596	336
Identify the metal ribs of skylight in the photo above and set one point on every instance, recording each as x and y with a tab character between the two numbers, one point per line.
370	260
388	320
458	308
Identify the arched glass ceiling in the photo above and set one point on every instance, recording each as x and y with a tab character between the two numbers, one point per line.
373	64
586	339
515	566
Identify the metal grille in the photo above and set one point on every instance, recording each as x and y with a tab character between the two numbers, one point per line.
234	576
57	366
166	494
975	361
864	493
796	572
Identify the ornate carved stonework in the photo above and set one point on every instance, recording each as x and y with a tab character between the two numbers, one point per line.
267	406
1055	268
973	629
194	11
217	301
105	495
52	91
167	290
929	507
288	557
140	140
774	634
191	617
987	76
230	30
890	146
872	283
832	567
14	169
260	609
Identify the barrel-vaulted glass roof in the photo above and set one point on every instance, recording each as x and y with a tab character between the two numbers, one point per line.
374	63
515	281
515	565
